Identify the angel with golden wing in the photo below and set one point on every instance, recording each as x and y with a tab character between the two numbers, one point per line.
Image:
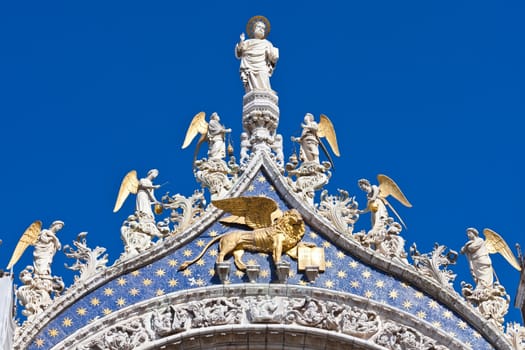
213	132
46	245
477	251
377	202
310	139
143	188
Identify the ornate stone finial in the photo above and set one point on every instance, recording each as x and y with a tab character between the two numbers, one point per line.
341	210
435	264
515	333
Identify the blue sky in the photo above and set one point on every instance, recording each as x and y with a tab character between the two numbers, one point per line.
428	93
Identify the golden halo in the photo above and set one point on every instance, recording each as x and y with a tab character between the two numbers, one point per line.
251	24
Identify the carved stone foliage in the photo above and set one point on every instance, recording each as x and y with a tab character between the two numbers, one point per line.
37	291
138	231
516	335
183	211
435	264
88	261
128	336
387	240
491	302
307	177
137	234
217	175
309	312
341	210
394	336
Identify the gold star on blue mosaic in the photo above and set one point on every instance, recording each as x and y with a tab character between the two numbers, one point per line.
67	322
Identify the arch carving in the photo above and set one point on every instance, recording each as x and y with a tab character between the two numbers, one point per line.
253	313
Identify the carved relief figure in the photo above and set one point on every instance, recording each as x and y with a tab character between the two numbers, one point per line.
273	232
245	147
258	56
277	147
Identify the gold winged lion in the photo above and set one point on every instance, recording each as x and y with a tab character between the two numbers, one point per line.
273	232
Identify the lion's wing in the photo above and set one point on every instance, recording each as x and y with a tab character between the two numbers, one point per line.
257	211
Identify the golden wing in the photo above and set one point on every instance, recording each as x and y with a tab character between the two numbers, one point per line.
496	244
197	125
388	187
256	211
130	184
29	237
326	129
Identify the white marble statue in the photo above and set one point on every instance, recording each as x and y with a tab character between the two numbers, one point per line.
377	204
479	259
258	56
277	147
213	132
477	251
377	208
143	188
216	136
245	148
46	247
310	139
145	194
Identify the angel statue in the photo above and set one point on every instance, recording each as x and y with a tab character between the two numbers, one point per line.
46	245
258	56
273	231
143	188
477	251
377	204
310	138
142	227
38	283
213	132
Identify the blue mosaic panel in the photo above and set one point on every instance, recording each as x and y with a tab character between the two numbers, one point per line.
343	273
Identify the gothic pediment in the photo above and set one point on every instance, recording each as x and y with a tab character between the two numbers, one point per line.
145	281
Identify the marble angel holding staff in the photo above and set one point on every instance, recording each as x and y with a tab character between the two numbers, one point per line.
377	203
478	250
310	139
